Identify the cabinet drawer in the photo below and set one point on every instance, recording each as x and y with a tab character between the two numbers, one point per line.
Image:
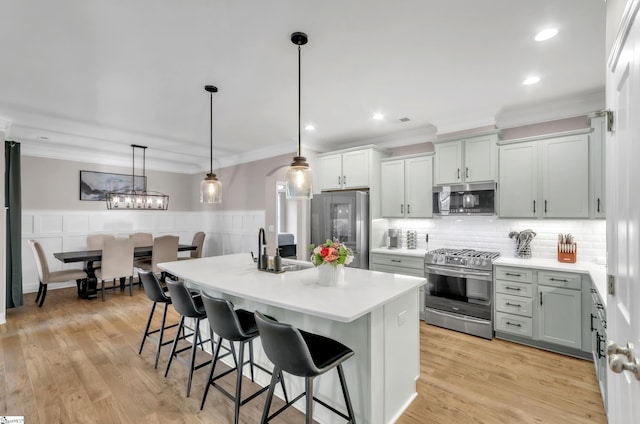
514	324
560	279
398	270
512	288
416	262
514	274
514	304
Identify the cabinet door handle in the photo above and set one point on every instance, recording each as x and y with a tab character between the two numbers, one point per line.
396	260
534	206
401	208
344	179
466	173
599	340
540	298
408	209
512	288
513	304
598	209
515	325
562	280
458	173
512	274
339	180
545	206
592	327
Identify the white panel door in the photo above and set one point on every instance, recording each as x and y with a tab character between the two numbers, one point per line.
355	168
480	159
623	212
448	160
330	172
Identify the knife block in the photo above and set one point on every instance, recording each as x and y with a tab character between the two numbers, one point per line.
566	257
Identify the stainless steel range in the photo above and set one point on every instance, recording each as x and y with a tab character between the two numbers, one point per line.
459	290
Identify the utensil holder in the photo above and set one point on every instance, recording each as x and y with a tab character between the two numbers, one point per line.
568	256
523	252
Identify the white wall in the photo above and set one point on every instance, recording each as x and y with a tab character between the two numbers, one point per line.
490	233
3	256
63	230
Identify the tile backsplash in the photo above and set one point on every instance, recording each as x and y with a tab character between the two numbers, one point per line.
491	233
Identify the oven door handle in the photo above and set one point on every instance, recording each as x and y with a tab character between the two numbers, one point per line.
460	274
461	317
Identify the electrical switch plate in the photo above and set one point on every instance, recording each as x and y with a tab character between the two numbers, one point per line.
402	318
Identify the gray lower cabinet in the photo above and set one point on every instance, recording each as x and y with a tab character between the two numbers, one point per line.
400	264
545	309
598	327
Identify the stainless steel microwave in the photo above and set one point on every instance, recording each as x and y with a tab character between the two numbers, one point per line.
465	199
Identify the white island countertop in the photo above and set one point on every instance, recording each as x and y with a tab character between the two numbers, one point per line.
362	292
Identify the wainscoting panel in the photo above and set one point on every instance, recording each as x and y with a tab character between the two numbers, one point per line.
58	231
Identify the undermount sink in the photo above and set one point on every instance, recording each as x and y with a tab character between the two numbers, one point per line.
295	265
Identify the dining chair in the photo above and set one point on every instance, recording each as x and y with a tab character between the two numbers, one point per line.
117	263
95	242
48	277
141	240
198	241
165	249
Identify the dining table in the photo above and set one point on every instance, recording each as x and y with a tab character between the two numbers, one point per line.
88	290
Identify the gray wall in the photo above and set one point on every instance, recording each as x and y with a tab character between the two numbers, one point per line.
55	184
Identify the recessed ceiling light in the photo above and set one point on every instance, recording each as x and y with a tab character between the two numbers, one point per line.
531	80
378	116
310	127
546	34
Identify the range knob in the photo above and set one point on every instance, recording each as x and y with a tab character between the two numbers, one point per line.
484	262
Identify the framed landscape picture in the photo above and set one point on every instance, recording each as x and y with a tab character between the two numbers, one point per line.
96	185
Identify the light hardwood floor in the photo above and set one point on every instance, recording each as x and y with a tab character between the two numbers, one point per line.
76	361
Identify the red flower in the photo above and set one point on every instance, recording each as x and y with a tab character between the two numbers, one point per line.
324	252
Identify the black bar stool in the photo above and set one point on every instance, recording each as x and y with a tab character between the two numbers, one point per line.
304	355
235	326
188	306
156	293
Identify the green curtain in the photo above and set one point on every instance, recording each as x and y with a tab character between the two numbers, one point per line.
13	201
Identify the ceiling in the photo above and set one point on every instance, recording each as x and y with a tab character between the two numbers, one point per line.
84	79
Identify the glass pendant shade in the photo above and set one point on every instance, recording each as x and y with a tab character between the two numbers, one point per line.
299	180
211	190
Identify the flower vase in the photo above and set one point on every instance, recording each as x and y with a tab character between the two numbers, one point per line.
330	275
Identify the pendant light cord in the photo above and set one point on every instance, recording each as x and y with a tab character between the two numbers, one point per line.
299	102
211	133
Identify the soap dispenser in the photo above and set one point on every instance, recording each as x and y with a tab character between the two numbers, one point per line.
265	259
277	261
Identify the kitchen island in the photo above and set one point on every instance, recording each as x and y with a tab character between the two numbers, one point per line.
374	313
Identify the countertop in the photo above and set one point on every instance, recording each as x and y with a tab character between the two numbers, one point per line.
597	272
404	252
362	292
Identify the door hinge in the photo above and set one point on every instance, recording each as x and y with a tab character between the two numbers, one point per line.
611	285
609	116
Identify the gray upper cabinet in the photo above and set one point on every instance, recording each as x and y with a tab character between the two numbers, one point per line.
468	160
546	178
597	168
406	187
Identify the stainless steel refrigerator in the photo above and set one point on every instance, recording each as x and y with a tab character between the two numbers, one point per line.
343	215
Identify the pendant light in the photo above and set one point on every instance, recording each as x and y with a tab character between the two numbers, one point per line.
211	188
136	198
299	178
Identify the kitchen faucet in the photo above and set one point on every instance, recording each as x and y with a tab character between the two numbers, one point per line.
262	242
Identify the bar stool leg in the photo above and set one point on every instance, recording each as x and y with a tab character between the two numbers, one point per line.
213	367
236	414
345	392
164	319
175	344
196	335
146	330
272	387
251	358
308	388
